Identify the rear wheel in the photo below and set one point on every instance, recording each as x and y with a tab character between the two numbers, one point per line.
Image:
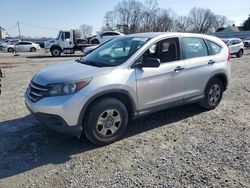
95	41
213	94
10	49
106	121
56	52
32	49
240	53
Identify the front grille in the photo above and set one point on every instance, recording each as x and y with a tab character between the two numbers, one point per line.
36	92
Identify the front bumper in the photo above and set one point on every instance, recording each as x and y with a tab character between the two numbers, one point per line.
61	113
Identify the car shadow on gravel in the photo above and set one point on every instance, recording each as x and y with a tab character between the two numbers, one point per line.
162	118
25	144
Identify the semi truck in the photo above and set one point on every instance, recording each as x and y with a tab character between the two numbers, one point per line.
65	43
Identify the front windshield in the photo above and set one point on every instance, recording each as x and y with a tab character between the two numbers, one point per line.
114	52
58	35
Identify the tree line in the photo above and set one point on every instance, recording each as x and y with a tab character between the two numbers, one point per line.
133	16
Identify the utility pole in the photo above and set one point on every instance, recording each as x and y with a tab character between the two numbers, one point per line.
18	30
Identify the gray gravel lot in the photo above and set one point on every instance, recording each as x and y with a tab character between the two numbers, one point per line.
180	147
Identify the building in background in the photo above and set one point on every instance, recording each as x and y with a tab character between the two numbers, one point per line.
3	33
230	29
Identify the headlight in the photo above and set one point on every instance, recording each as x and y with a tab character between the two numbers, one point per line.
67	88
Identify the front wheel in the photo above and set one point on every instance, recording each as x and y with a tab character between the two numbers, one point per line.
56	52
240	53
213	94
106	121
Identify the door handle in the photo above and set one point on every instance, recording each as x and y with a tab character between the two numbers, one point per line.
178	69
211	62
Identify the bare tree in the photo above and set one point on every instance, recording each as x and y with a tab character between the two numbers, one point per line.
182	24
220	22
163	21
110	21
86	30
129	14
204	20
149	13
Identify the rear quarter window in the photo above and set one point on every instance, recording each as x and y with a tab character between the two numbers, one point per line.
213	47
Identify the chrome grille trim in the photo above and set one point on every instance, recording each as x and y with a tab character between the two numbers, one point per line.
35	92
37	87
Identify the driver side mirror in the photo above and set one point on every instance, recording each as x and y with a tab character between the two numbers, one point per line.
147	62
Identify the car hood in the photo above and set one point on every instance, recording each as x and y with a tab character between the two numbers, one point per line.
68	71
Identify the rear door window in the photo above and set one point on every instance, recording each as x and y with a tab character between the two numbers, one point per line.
194	47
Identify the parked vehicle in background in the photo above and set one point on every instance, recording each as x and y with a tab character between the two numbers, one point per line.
23	46
9	42
129	77
66	42
41	44
89	49
103	37
247	42
5	41
235	45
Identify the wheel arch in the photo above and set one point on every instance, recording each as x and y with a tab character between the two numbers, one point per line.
121	95
10	48
55	46
222	77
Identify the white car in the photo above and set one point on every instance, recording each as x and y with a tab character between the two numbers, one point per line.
6	43
103	37
23	46
235	45
247	42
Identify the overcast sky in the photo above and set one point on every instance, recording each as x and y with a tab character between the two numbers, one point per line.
65	14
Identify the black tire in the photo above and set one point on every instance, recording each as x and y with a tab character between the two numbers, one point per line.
56	52
207	102
93	130
10	50
32	49
95	41
240	53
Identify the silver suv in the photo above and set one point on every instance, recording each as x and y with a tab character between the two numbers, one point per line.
129	77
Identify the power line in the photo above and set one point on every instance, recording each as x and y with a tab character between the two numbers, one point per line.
12	27
41	27
233	10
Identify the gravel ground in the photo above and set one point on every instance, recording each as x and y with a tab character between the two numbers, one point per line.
180	147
